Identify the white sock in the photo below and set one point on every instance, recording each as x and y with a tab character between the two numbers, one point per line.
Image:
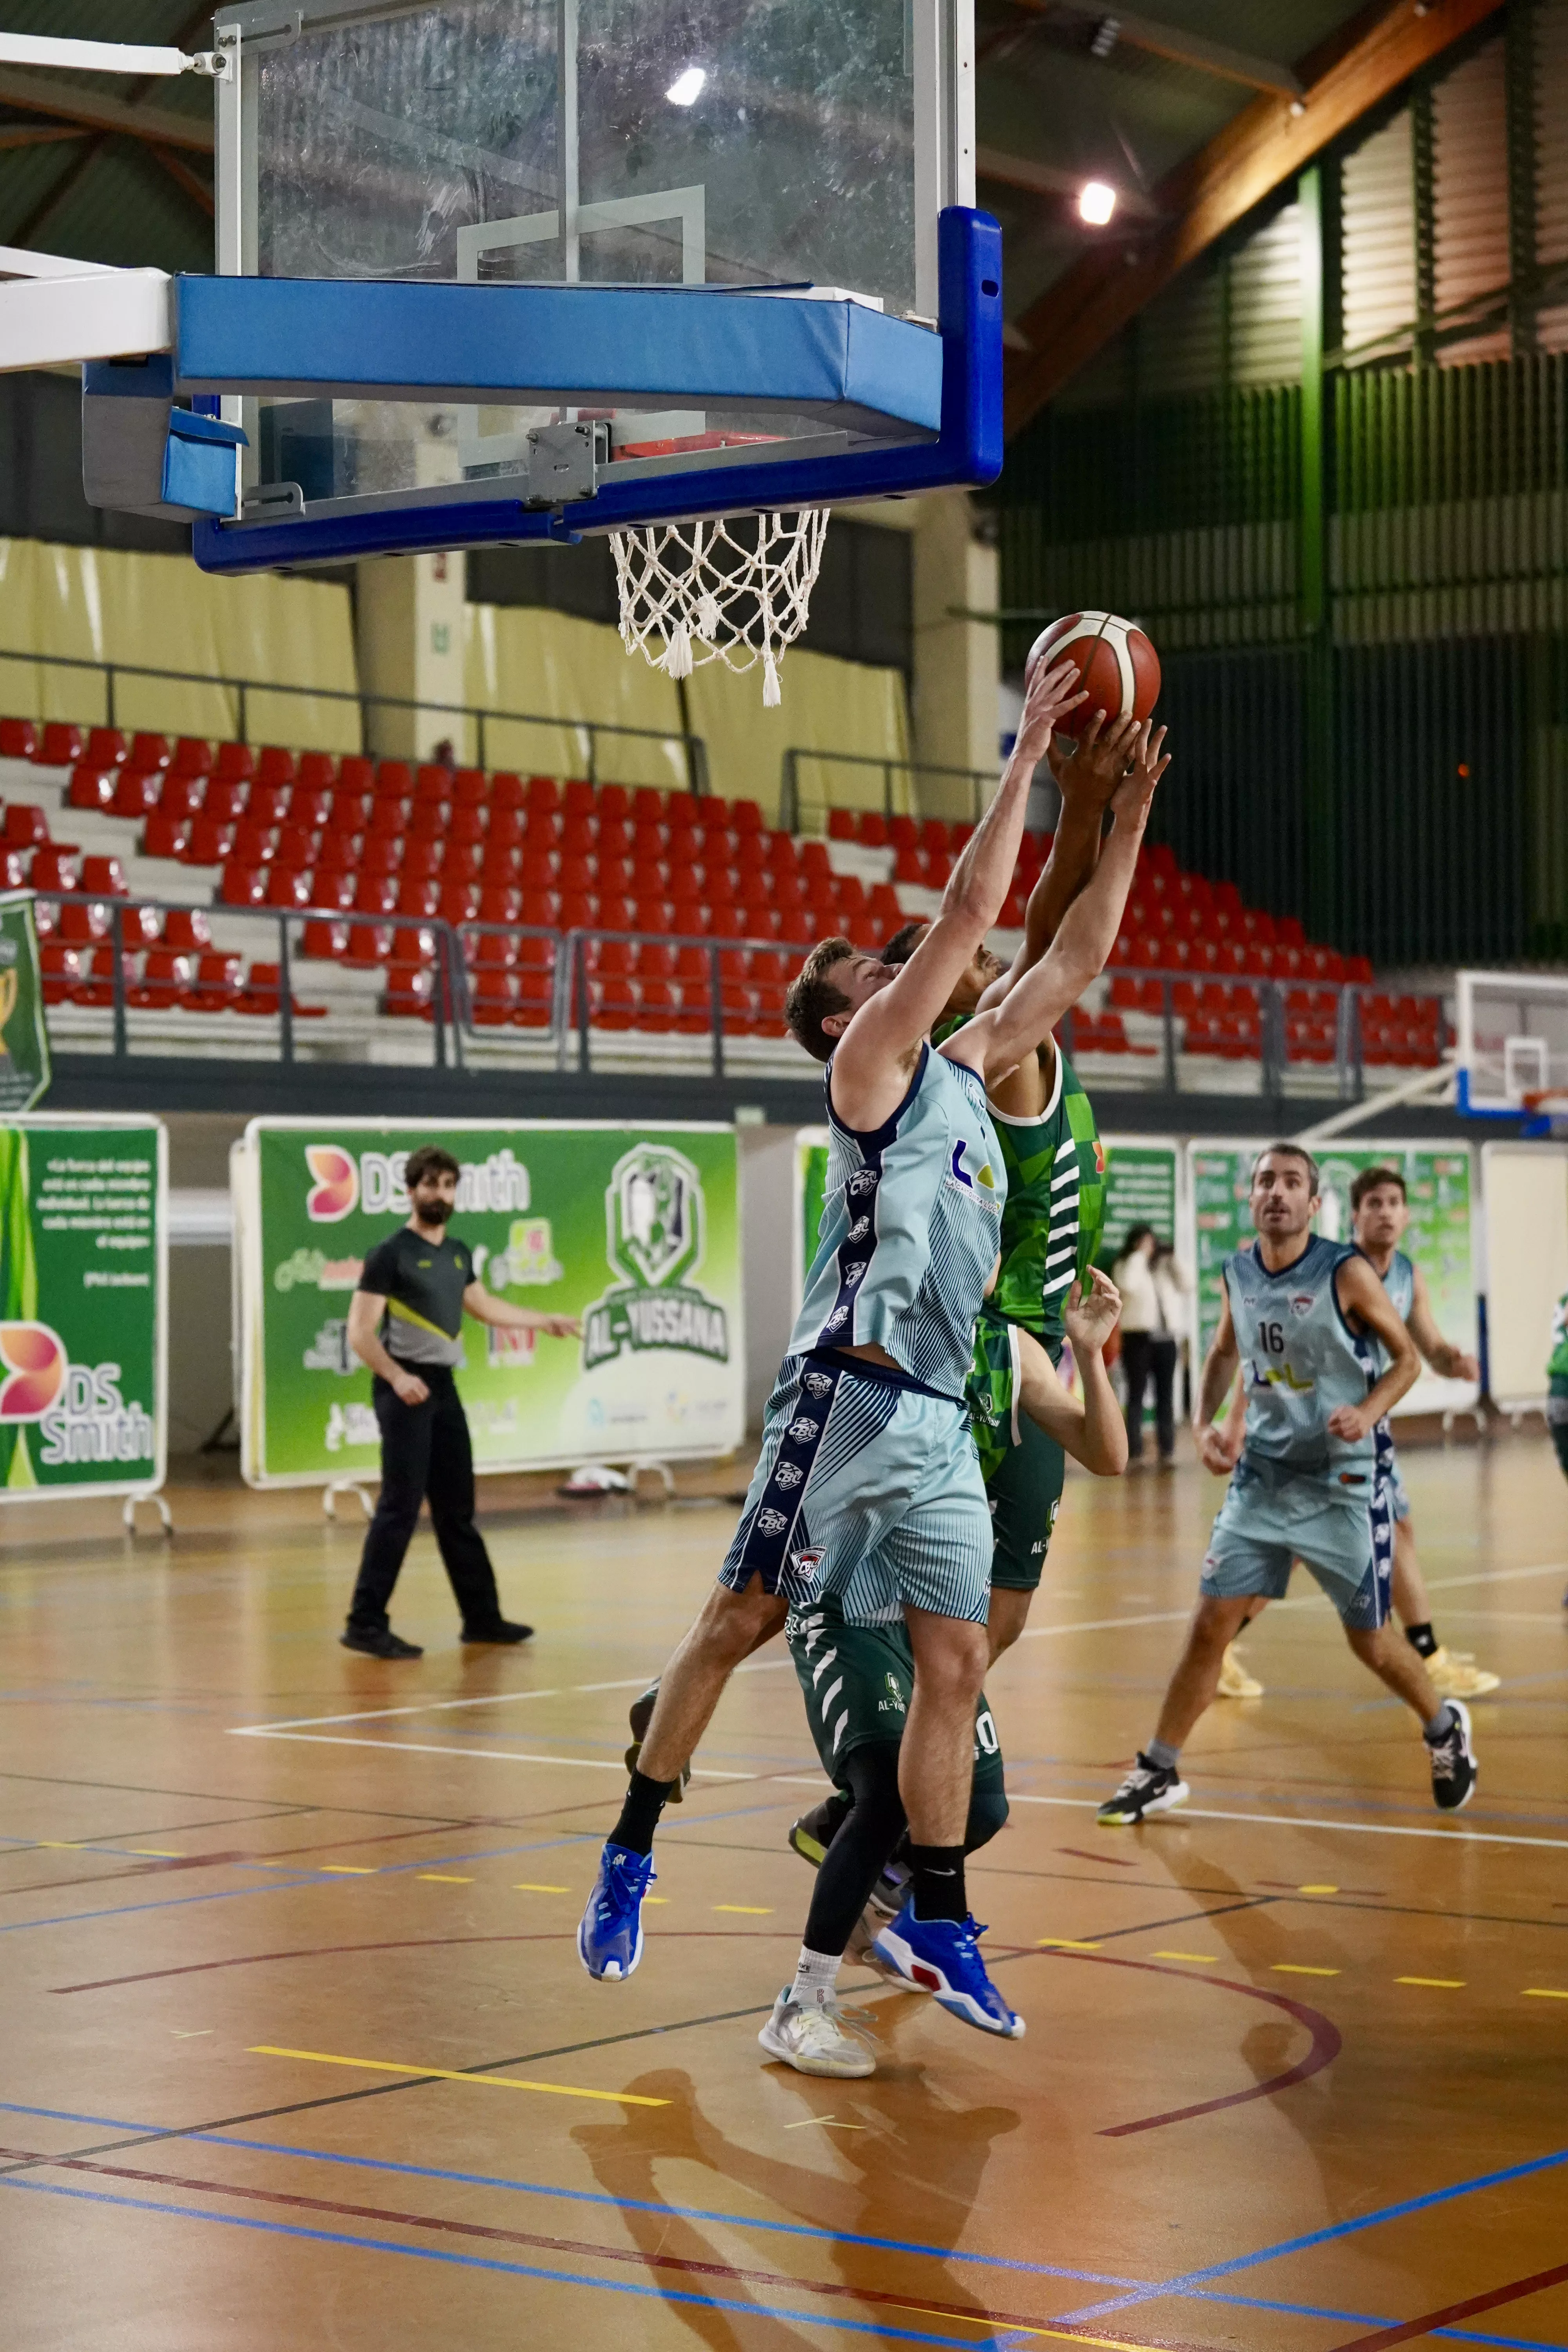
816	1975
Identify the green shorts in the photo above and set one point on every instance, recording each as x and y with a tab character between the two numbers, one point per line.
1023	1468
858	1681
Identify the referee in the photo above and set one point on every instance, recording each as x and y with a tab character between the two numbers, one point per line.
405	1322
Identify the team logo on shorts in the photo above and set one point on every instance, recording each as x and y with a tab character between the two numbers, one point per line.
806	1567
788	1475
863	1180
840	1316
860	1229
852	1274
771	1523
817	1384
803	1430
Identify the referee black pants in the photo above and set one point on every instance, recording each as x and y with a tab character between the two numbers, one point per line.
424	1453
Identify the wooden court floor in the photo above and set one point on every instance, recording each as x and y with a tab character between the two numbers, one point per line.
298	2053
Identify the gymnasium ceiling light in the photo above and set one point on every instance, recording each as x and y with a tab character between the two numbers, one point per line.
686	87
1096	203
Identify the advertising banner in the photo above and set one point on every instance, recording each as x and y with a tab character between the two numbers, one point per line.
810	1144
83	1287
1439	1185
24	1039
634	1229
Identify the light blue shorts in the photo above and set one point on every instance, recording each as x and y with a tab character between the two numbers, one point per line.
869	1492
1394	1487
1265	1525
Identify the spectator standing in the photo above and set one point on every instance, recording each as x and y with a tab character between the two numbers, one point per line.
1153	1318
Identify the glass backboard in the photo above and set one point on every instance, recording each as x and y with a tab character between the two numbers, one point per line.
742	143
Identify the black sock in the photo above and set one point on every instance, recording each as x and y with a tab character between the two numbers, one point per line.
937	1885
639	1814
1422	1640
859	1847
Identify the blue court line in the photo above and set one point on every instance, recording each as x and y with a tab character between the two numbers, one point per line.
751	2221
511	2270
1336	2230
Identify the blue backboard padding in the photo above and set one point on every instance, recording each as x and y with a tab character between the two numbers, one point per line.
967	452
396	341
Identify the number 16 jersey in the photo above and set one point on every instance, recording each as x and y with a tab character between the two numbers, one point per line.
1300	1360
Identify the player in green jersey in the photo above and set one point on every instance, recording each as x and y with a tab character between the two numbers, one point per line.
1054	1212
1557	1387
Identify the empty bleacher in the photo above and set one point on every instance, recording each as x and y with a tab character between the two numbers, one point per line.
379	862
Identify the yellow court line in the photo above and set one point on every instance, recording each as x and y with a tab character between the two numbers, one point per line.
1210	1960
59	1845
442	1878
1439	1984
158	1853
1015	2327
654	1898
531	1886
1543	1993
1300	1969
348	1869
455	2075
1317	1890
750	1910
1062	1944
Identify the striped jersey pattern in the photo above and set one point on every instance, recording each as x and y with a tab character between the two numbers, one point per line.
1055	1212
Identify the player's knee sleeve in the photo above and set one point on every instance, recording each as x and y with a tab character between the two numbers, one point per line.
987	1812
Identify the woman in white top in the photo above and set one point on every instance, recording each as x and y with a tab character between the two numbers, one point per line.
1153	1316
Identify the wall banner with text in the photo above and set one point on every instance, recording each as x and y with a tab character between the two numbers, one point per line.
634	1229
83	1306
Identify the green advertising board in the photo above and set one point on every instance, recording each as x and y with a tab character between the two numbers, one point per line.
634	1229
1438	1181
810	1149
24	1039
83	1283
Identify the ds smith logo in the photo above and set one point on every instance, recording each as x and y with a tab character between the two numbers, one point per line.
334	1183
79	1408
653	1216
341	1182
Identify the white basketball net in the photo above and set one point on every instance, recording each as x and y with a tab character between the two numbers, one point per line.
736	590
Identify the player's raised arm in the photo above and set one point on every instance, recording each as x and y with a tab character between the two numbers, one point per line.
1452	1363
1087	773
876	1039
1361	1294
1089	1426
996	1042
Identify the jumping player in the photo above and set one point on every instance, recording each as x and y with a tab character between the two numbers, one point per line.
856	1681
1307	1318
1380	1215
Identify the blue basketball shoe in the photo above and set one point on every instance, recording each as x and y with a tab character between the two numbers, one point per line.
942	1958
609	1934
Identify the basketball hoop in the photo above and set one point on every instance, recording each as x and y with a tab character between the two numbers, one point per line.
698	592
1546	1102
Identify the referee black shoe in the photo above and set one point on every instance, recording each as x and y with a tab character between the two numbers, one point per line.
500	1631
1454	1768
378	1641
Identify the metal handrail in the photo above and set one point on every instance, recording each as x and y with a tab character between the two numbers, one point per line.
694	746
452	1002
980	779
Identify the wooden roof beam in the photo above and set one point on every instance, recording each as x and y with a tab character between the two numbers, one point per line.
1267	143
36	93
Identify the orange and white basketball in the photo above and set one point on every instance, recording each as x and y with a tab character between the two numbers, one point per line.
1116	662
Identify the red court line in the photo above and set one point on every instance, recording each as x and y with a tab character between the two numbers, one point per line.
1116	1861
405	1943
1326	2040
832	2290
1409	2329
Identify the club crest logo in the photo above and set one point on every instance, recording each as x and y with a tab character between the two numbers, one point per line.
863	1180
802	1578
860	1229
803	1430
837	1319
334	1185
1302	1303
788	1475
771	1523
655	1236
34	1366
817	1384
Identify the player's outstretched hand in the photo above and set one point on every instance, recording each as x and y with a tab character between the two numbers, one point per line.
1092	1313
1090	767
560	1326
1350	1422
1218	1451
1049	698
1149	761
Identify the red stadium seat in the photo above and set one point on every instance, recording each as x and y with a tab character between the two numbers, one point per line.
164	978
409	991
52	868
243	886
105	748
193	756
374	894
421	860
507	791
333	886
214	984
579	799
433	785
27	825
323	941
235	764
60	745
394	781
93	789
61	968
18	738
615	803
418	896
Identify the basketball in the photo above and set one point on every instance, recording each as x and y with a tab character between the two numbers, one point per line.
1116	662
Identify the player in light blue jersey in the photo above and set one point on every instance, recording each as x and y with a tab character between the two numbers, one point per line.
868	1491
1325	1356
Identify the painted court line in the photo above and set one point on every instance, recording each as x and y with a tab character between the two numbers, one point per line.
455	2075
489	1698
1307	1822
482	1755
